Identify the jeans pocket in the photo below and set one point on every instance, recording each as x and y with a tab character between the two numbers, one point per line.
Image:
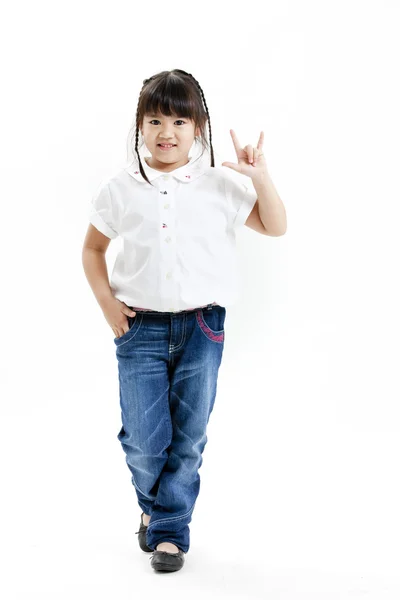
134	324
211	323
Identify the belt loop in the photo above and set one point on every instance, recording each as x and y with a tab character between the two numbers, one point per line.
209	306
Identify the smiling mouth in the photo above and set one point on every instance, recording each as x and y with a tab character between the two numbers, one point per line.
166	146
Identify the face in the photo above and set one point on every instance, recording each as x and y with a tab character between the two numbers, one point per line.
159	129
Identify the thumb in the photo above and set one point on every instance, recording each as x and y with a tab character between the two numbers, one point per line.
233	166
129	312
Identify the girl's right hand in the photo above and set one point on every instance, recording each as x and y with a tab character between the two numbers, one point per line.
115	313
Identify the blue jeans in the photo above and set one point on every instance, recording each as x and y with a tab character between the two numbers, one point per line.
168	368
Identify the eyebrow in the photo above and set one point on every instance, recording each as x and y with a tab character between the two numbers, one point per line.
158	116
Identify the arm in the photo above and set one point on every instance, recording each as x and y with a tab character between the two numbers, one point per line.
94	264
254	221
271	210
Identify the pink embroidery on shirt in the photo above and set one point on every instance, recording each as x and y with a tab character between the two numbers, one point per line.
188	176
164	225
136	172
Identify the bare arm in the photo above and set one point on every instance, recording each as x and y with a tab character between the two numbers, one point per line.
95	266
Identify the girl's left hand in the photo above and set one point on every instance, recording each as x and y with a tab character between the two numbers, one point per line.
251	160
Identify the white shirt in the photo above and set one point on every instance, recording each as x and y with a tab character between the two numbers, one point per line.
179	237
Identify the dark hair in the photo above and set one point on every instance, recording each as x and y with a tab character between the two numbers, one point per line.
173	93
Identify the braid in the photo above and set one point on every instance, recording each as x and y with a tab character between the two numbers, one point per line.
142	172
208	118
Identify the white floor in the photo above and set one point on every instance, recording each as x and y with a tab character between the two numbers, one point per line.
97	557
113	567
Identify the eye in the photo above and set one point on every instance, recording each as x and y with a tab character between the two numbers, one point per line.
175	121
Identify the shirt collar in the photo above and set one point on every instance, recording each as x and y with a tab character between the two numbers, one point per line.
193	169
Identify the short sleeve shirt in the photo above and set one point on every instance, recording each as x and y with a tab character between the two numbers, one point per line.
178	235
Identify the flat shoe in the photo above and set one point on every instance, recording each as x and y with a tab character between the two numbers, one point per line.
142	536
167	561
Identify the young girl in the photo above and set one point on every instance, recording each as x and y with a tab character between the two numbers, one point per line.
166	302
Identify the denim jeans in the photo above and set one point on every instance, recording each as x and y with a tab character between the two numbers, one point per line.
168	368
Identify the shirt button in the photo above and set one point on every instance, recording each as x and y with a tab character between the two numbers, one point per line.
171	309
166	205
165	176
169	275
168	239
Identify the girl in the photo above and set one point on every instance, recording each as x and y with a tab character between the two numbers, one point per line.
166	302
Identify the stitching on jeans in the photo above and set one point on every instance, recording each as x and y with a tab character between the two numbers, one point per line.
183	338
215	337
137	487
171	518
133	328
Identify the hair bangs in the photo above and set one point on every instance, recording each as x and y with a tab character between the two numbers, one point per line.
169	97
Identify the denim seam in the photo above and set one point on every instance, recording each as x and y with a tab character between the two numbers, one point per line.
136	486
214	336
183	338
171	519
134	333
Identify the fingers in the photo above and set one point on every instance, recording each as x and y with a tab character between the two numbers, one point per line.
235	142
124	331
252	153
260	141
257	153
129	314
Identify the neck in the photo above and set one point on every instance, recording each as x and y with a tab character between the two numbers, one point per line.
165	167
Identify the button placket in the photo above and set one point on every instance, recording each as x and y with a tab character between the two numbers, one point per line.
167	217
165	191
167	230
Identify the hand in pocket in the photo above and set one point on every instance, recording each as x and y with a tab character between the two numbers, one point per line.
116	313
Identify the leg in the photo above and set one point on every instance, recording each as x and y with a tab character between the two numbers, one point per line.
196	347
146	431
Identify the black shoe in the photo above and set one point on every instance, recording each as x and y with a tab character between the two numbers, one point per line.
167	561
142	536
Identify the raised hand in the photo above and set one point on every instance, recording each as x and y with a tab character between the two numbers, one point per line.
251	161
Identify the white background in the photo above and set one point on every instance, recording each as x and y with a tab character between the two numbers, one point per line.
300	480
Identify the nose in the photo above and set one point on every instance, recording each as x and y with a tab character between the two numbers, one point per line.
165	135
